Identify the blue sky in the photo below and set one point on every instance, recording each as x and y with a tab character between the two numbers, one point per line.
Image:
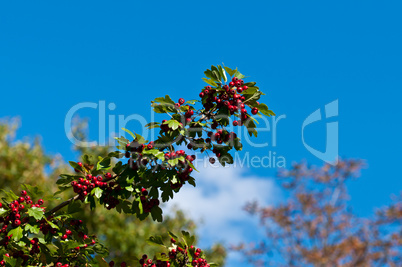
303	54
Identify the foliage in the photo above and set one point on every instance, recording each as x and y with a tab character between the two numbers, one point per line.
132	180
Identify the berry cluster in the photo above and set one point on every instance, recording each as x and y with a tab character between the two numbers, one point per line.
229	96
146	202
179	253
84	186
17	210
145	262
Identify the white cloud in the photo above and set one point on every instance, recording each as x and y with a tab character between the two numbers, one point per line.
218	199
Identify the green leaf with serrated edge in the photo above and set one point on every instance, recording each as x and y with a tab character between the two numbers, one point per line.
103	164
154	192
222	72
33	191
141	140
239	75
255	96
33	229
157	240
237	144
210	82
156	213
173	124
36	212
209	74
173	162
165	100
230	71
10	196
187	238
16	232
129	132
250	91
263	108
3	211
167	193
97	192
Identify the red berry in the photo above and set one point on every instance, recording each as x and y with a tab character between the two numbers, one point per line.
235	123
201	94
177	105
40	202
254	111
181	101
245	88
231	84
23	193
17	222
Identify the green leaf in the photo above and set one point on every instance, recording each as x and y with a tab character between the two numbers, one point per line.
157	240
230	71
210	82
253	97
173	124
192	102
97	192
239	75
141	140
152	125
17	233
129	132
188	239
156	213
164	100
191	181
103	164
76	166
33	229
3	211
222	72
191	165
10	196
172	235
36	212
264	110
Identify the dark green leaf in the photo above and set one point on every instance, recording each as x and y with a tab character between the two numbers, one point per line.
156	213
157	240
